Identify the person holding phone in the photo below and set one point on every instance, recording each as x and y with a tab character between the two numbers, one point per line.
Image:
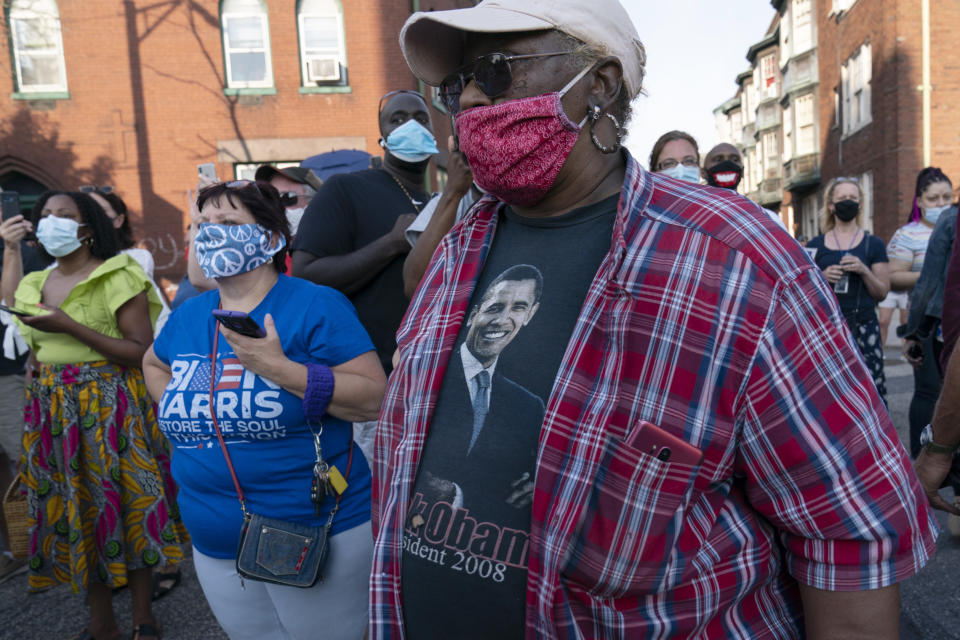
18	257
856	266
313	372
101	513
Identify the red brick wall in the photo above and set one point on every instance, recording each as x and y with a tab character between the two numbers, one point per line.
144	127
892	145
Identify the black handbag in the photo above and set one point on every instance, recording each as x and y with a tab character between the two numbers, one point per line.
273	550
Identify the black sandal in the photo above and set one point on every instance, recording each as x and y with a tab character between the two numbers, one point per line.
165	582
145	629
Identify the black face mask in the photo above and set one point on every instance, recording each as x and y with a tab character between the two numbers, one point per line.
725	175
846	210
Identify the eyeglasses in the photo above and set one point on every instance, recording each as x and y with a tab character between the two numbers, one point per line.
290	198
91	188
841	180
491	73
670	163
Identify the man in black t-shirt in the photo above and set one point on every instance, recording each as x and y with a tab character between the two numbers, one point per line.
351	237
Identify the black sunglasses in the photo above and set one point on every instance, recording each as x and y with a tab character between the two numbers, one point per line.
91	188
290	198
491	72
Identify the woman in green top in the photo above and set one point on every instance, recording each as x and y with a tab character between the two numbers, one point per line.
101	512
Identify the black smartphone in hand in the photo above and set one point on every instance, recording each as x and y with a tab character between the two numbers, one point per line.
10	204
16	312
240	322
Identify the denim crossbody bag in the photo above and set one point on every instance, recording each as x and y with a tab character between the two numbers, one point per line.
279	551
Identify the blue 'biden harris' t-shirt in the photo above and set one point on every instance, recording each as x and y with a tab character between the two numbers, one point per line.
270	442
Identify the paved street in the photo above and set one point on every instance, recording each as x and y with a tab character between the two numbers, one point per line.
930	611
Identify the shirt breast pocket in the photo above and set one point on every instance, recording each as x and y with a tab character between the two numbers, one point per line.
625	543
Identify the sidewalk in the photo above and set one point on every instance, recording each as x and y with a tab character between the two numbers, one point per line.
58	614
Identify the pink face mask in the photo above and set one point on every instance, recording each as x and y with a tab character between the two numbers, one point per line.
516	148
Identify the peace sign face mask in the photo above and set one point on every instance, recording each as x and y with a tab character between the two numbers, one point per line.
225	250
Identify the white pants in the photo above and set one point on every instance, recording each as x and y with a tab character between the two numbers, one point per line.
330	610
363	435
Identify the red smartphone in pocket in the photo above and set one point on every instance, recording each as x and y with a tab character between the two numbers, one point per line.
653	440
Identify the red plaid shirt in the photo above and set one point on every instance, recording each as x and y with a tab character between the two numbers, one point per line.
708	320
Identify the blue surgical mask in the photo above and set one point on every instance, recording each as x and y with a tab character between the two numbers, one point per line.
932	214
683	172
58	235
225	250
411	142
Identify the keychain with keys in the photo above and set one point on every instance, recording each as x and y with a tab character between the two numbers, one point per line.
327	479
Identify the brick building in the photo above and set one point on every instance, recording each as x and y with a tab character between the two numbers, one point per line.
852	102
135	94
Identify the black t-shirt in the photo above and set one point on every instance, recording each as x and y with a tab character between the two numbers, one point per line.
856	304
33	260
350	211
466	537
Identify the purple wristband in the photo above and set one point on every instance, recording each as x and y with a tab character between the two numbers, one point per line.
319	391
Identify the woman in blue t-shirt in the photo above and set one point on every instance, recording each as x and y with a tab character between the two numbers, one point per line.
313	372
855	264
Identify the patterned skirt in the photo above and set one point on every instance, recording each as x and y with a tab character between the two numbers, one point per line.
97	470
867	336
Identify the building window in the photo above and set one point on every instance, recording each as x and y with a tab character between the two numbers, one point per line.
856	75
246	44
747	102
806	125
841	5
246	170
37	46
323	57
802	26
768	76
866	183
787	133
771	155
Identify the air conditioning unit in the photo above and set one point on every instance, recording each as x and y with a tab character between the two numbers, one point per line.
323	69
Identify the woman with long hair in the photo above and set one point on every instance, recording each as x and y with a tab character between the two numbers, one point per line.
100	512
933	196
116	210
855	264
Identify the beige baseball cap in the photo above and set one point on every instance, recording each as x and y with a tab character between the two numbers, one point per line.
432	42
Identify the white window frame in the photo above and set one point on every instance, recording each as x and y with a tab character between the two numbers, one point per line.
801	16
247	170
866	185
806	124
771	154
839	6
339	53
855	91
787	151
768	70
267	82
18	13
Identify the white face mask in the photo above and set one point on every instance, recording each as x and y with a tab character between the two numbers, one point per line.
58	235
683	172
932	214
293	217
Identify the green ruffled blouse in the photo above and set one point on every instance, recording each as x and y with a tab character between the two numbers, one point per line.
93	303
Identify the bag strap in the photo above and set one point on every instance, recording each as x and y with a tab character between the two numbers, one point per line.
223	445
